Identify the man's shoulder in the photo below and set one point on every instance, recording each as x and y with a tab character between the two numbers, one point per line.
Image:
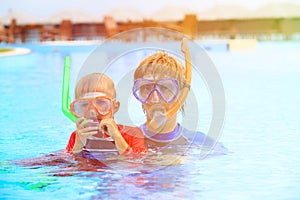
200	138
193	135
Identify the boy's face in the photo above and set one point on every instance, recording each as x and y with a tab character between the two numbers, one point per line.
97	105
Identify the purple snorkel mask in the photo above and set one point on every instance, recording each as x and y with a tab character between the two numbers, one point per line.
167	88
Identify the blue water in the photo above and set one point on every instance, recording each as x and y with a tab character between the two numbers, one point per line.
261	130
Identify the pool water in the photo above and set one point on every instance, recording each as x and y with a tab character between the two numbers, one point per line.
261	130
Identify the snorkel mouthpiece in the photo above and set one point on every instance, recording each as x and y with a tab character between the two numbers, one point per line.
159	118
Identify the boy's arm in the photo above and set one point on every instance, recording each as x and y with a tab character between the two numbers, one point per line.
78	138
75	144
113	131
78	145
121	144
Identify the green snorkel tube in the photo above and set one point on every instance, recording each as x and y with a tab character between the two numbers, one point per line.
65	90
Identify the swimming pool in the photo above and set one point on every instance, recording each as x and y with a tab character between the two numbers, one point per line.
261	130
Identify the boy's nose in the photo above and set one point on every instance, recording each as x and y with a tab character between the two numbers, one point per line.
92	114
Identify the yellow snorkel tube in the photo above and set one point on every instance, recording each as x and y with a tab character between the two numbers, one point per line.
188	79
65	90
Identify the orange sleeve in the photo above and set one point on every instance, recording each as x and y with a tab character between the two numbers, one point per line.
134	138
138	142
71	142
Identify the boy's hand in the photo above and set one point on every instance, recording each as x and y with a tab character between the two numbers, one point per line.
85	128
110	127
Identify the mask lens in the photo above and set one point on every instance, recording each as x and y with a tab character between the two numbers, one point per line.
142	89
168	89
80	106
103	105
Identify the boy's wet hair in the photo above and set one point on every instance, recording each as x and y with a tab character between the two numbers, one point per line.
95	82
161	65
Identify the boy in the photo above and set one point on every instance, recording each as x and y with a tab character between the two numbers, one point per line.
95	104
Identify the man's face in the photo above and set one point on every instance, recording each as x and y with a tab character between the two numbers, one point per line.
161	94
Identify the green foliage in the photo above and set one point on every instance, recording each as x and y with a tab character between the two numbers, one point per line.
4	50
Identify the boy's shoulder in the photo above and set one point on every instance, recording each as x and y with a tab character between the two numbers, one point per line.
130	130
